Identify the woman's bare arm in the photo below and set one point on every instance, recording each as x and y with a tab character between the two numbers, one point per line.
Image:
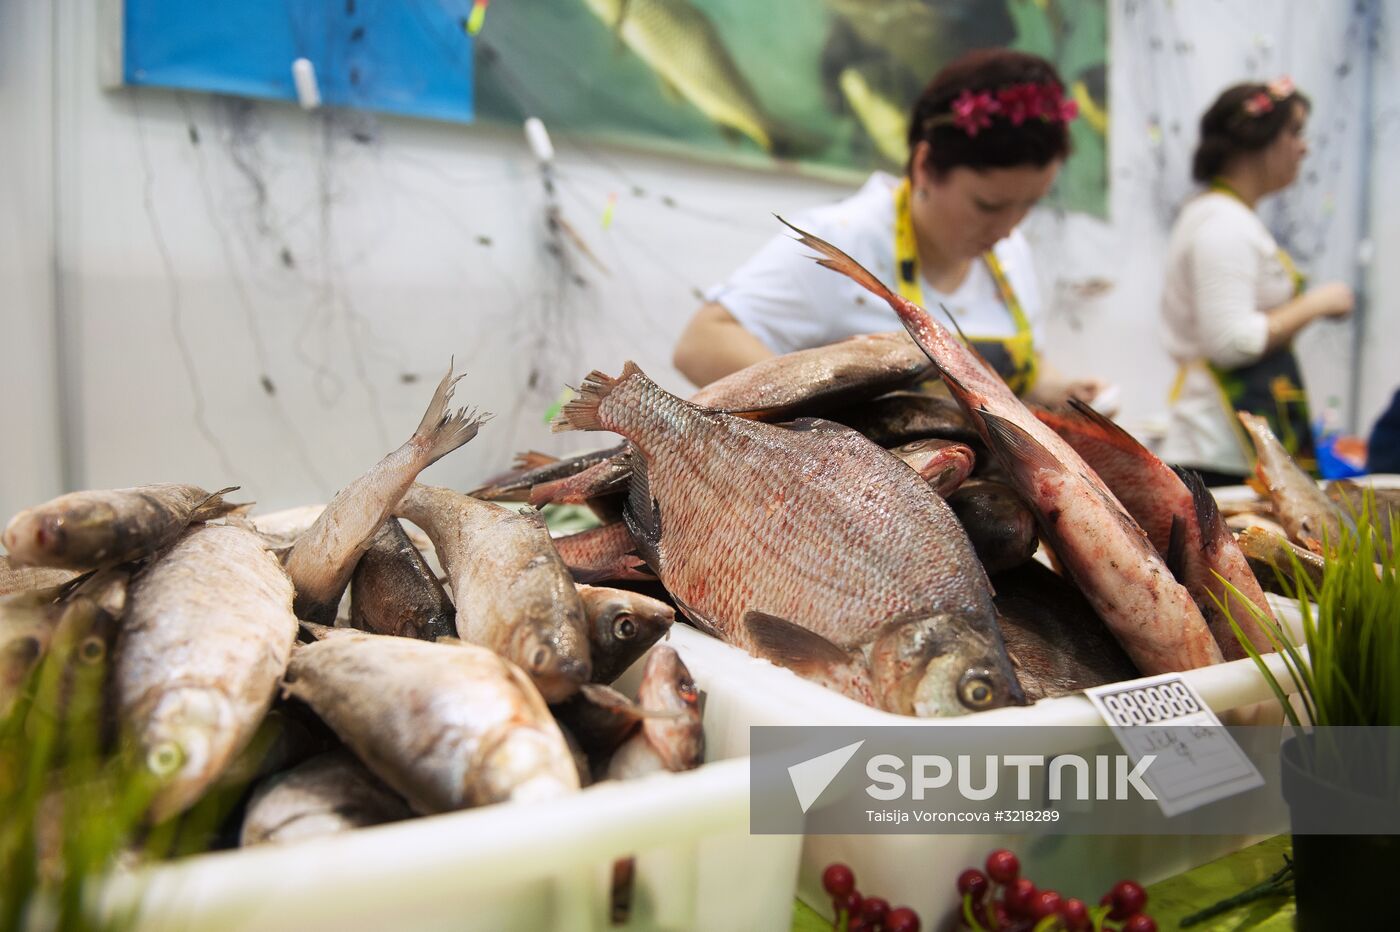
714	344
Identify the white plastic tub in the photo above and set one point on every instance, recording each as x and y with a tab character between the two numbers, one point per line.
507	867
920	871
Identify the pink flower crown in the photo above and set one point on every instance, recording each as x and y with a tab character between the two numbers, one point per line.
1277	90
972	112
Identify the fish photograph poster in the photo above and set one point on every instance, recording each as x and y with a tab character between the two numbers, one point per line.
823	86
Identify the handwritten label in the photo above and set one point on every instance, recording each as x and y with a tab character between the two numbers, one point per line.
1197	761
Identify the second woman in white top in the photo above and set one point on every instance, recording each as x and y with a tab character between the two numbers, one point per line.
1233	300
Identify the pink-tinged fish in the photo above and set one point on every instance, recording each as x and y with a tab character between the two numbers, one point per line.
1105	551
321	561
607	477
808	545
943	464
672	741
1304	510
535	469
1181	519
604	552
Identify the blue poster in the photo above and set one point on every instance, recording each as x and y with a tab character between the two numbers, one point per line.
411	57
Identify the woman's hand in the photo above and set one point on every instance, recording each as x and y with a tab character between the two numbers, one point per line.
1334	299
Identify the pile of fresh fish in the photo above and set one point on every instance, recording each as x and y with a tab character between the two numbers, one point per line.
409	649
434	692
827	511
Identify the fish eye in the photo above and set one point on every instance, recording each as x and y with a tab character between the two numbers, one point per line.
624	628
165	758
686	690
92	650
976	691
539	658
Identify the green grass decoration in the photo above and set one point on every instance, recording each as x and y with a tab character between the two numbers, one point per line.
74	799
1350	674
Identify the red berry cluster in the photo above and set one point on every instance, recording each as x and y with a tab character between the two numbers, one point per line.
1022	907
863	914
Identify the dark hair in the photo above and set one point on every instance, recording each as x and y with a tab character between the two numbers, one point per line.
1229	129
1001	145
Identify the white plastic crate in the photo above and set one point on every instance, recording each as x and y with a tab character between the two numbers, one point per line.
920	870
506	867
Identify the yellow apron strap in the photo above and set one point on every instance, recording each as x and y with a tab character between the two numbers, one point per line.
906	248
1021	347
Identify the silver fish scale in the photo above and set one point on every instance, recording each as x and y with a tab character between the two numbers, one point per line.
819	527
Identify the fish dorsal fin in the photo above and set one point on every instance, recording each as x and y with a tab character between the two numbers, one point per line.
791	645
642	514
1208	518
1023	449
969	345
1114	432
1176	549
215	507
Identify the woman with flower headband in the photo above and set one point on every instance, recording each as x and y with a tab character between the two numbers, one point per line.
1233	300
986	140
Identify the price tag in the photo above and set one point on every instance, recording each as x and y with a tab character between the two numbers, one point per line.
1197	761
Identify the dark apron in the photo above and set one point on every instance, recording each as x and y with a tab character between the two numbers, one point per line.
1272	386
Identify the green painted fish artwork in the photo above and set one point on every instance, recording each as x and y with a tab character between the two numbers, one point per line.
820	86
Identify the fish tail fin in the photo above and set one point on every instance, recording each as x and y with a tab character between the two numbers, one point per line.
838	261
445	430
581	413
437	408
533	459
215	507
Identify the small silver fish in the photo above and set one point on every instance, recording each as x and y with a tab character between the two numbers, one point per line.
326	795
446	725
206	635
322	559
512	592
104	527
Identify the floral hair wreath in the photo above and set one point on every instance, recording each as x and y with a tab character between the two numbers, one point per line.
1277	90
1017	103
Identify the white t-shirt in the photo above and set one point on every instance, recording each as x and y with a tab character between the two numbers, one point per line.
790	303
1223	273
